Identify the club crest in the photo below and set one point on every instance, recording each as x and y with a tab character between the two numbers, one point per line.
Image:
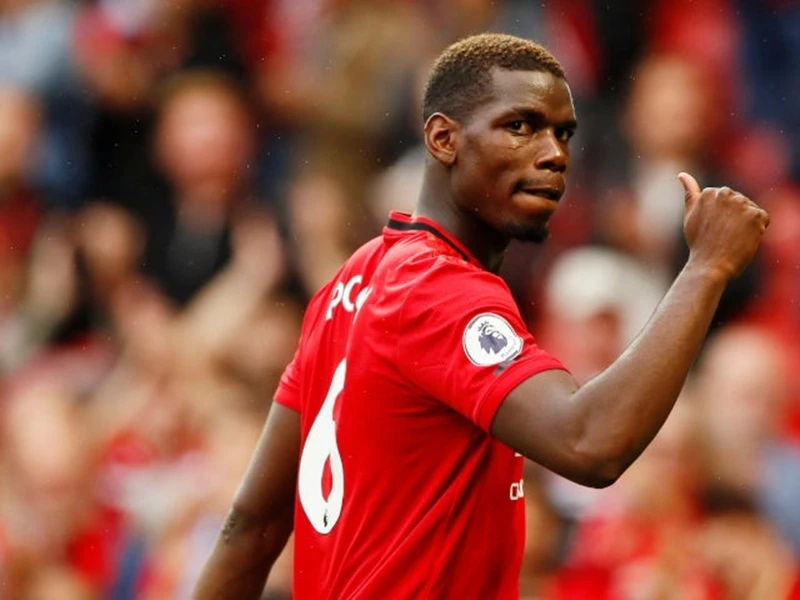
489	340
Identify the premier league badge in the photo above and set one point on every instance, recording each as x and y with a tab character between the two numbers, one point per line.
490	340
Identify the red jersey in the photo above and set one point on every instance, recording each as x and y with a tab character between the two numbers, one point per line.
403	360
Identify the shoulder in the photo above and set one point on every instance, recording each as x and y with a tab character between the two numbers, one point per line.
346	285
432	292
361	263
435	278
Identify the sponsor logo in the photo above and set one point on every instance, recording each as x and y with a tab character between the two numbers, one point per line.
490	340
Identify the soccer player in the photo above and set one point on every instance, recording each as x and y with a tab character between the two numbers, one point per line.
395	445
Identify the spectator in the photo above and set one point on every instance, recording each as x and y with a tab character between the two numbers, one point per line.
638	539
742	395
203	145
35	55
20	203
52	514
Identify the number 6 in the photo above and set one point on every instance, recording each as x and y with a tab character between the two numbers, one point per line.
321	447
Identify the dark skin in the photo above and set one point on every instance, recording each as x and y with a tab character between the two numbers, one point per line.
499	174
492	177
262	516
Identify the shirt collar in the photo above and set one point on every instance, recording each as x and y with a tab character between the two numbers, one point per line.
400	221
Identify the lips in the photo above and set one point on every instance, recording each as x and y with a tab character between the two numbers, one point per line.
551	193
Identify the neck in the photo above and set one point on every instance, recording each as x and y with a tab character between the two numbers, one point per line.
436	203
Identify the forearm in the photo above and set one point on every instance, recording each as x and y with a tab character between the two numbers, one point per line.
620	411
591	434
241	559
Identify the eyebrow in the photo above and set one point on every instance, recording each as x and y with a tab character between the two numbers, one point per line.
537	116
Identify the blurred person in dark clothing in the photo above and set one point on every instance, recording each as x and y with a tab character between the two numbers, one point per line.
668	121
203	145
124	51
671	120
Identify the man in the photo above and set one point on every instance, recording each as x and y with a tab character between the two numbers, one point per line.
416	391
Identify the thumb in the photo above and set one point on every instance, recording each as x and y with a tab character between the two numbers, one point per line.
690	186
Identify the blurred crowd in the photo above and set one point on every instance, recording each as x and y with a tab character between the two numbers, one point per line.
177	178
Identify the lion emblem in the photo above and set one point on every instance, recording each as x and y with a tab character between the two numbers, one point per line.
490	339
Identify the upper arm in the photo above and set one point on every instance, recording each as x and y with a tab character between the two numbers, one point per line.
261	520
267	491
538	419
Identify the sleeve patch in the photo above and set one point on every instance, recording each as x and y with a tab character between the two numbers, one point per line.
490	340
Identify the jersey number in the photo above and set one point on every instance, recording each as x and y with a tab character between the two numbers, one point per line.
320	449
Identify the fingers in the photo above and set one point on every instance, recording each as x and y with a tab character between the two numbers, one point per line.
692	190
763	216
690	185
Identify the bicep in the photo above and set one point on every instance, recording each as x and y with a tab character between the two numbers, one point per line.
268	489
538	420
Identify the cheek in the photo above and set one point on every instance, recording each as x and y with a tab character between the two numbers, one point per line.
489	166
492	171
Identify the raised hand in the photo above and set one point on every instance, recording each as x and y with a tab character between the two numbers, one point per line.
723	228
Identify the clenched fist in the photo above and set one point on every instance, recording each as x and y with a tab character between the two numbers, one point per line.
722	227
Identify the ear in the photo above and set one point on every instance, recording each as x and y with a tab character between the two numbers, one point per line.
441	136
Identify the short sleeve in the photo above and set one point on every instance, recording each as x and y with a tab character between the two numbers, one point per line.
288	392
290	387
463	342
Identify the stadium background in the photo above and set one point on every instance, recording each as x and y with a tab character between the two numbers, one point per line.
177	177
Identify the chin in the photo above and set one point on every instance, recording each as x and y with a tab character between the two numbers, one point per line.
536	233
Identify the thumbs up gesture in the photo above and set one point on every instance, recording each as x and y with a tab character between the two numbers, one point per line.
723	228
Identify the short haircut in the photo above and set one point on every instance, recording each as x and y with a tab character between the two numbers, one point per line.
460	80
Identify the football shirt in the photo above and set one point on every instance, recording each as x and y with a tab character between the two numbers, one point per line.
403	360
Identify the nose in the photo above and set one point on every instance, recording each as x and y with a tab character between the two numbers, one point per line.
551	155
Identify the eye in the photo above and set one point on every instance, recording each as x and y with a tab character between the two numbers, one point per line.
564	134
517	126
